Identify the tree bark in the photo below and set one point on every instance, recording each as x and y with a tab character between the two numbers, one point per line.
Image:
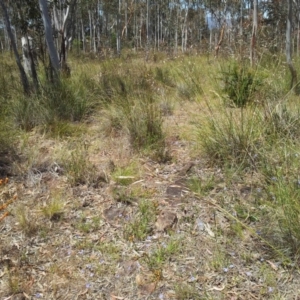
29	60
294	80
49	36
254	33
119	30
23	75
217	48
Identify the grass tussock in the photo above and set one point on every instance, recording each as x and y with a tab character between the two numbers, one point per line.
78	168
142	224
231	137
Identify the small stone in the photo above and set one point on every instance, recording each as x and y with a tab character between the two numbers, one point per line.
166	220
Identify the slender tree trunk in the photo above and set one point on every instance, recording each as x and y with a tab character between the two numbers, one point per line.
94	34
29	62
294	81
141	28
254	33
158	24
219	44
98	27
147	29
298	37
83	37
176	28
126	21
210	40
184	31
49	36
119	30
91	29
6	39
23	75
135	27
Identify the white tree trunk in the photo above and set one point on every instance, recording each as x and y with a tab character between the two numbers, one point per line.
24	78
288	49
29	61
91	30
49	35
254	33
119	30
83	36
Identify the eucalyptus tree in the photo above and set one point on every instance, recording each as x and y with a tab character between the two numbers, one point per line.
49	36
61	11
254	32
23	75
289	22
27	19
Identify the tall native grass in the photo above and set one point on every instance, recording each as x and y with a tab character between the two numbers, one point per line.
258	135
261	138
69	100
133	107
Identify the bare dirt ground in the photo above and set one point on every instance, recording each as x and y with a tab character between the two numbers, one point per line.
149	238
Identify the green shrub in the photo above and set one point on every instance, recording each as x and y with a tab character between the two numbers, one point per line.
240	83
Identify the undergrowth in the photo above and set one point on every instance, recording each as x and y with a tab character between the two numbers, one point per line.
250	147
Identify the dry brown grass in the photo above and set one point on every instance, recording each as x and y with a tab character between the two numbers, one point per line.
157	240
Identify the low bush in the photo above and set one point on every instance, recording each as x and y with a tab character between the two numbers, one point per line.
239	83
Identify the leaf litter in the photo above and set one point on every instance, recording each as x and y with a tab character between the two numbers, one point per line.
189	250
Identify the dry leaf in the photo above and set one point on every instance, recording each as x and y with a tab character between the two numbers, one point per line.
208	230
147	289
215	288
273	266
114	297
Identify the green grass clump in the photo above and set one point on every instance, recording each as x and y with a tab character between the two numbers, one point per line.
231	137
185	291
78	167
201	186
89	225
189	84
141	226
142	120
162	254
240	82
69	99
126	175
26	220
144	124
53	210
282	122
284	208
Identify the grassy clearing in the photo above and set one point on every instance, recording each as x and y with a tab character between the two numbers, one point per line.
116	137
